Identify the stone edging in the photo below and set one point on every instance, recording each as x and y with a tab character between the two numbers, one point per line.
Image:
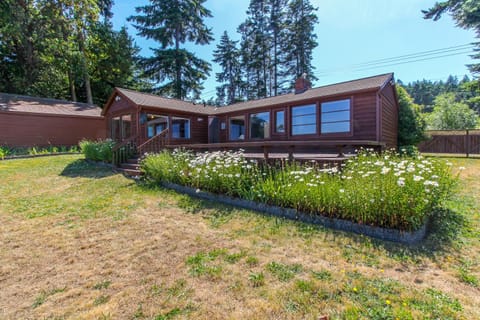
292	214
26	156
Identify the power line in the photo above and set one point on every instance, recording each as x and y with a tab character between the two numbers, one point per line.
418	54
425	55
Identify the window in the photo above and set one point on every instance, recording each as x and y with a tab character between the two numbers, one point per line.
121	127
116	129
126	126
280	122
237	128
156	124
336	116
180	128
260	125
304	119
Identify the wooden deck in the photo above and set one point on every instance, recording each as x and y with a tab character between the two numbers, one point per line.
317	149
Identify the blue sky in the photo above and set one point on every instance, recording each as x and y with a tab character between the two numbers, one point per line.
349	33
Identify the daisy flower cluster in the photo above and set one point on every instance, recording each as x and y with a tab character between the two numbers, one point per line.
387	190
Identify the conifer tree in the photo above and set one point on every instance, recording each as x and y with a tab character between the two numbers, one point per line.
227	56
172	23
255	46
467	15
301	39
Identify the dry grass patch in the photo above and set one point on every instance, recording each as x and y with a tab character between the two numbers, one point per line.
78	242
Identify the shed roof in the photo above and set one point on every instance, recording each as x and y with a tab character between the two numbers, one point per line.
27	104
154	101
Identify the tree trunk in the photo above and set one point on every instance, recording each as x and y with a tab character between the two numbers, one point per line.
88	89
71	84
178	76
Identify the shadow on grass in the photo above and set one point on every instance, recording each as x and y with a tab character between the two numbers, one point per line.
445	227
84	169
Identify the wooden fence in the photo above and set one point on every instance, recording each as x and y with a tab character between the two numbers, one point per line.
452	141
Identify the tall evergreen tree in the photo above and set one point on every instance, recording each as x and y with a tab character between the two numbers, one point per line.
172	23
263	39
301	39
227	56
255	46
277	27
467	15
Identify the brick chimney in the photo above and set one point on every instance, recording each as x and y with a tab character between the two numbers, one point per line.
302	84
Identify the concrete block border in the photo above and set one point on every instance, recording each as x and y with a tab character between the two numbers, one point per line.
292	214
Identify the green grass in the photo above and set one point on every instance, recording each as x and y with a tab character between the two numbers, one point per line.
66	186
170	256
43	296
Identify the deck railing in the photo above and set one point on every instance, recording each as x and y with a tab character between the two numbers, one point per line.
124	150
155	144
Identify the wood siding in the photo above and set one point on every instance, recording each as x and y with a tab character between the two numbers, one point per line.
26	130
120	108
389	116
198	126
363	120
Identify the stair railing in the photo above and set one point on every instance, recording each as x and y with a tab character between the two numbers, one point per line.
124	150
154	144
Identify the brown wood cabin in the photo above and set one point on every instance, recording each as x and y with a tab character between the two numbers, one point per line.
356	113
30	121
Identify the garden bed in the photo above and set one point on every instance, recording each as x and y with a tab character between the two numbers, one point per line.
385	196
292	214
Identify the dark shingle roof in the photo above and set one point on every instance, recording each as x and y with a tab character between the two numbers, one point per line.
27	104
364	84
154	101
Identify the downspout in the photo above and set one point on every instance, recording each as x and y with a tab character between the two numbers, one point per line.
377	114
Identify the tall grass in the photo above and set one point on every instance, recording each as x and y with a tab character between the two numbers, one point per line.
35	150
387	190
100	150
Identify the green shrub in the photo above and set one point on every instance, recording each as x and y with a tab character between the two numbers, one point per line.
4	151
21	151
390	190
100	150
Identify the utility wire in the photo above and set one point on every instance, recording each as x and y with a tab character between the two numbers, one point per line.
431	54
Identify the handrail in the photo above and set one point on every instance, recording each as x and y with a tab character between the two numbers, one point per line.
124	143
124	150
155	144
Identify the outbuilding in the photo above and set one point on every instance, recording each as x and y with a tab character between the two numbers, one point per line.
30	121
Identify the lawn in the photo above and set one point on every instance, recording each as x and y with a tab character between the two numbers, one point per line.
80	242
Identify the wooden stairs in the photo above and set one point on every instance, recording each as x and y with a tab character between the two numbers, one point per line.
131	167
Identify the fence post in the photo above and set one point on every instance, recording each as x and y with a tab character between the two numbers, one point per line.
467	142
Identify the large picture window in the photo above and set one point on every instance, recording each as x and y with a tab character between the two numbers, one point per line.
335	116
304	119
180	128
237	128
260	125
156	124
